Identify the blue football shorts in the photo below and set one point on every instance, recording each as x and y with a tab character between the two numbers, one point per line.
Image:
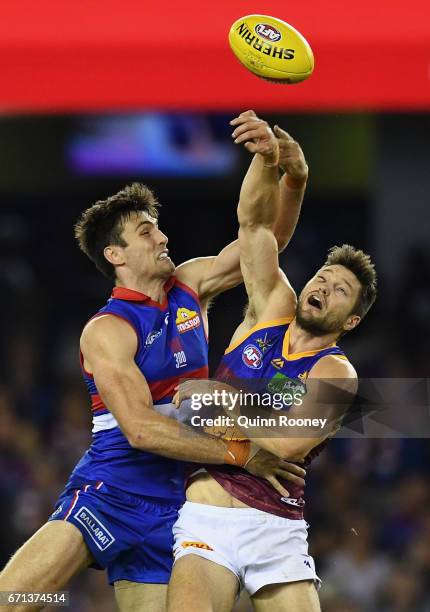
128	535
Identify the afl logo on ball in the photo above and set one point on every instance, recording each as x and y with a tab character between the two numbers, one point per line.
268	32
252	357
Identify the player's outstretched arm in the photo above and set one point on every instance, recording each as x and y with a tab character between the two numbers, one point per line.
270	295
209	276
292	186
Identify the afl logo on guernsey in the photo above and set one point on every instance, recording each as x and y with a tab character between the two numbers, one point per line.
252	357
186	320
268	32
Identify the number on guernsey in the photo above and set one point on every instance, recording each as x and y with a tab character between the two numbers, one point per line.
181	359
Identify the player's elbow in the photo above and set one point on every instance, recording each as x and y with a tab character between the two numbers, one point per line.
251	218
246	220
138	438
144	437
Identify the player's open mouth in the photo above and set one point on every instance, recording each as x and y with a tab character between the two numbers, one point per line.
163	255
315	301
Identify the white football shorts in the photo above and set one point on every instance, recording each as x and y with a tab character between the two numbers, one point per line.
259	548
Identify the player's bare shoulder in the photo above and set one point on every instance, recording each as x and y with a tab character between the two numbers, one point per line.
331	387
107	337
190	272
338	370
334	366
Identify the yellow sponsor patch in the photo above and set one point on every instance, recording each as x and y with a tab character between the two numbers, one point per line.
186	320
196	545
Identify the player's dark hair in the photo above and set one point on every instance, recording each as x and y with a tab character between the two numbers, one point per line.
102	223
360	264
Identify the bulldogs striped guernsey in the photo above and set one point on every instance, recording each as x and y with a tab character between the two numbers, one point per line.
172	345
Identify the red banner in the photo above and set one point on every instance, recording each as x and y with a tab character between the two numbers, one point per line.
134	55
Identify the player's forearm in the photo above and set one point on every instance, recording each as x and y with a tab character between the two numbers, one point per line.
166	437
291	197
147	430
129	400
259	195
278	440
282	434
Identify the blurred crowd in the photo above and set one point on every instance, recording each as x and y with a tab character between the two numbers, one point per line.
368	500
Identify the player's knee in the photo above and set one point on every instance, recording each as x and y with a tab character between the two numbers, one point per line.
47	561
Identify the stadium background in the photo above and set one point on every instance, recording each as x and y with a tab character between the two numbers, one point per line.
88	105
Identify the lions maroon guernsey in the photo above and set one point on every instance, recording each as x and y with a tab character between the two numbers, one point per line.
263	354
172	345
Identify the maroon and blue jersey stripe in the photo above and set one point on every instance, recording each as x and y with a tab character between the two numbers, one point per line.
172	345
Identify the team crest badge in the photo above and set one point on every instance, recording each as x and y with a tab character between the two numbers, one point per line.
252	357
264	343
186	320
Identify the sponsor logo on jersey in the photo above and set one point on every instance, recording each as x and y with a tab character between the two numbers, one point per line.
283	384
186	320
303	376
299	503
252	357
101	537
57	511
268	32
152	336
308	563
196	545
278	363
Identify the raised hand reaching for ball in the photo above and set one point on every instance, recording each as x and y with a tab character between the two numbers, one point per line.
256	136
291	158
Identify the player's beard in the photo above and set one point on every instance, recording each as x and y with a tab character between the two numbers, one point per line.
317	326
